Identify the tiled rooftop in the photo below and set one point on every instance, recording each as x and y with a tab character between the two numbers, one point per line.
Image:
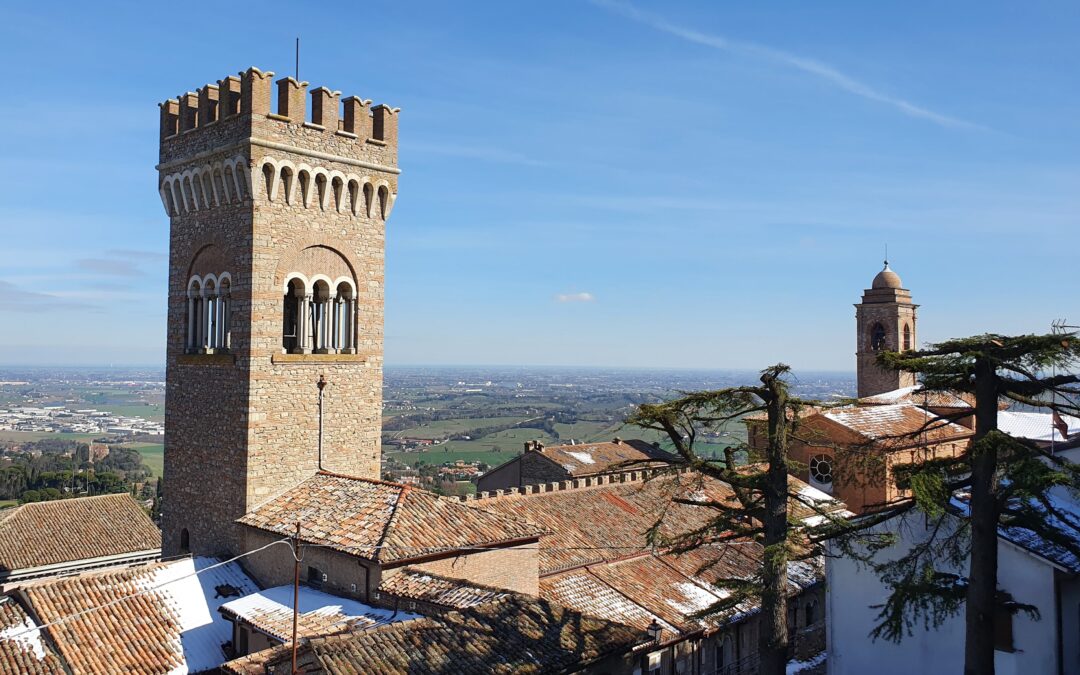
1036	426
437	590
380	521
920	397
66	530
23	650
271	612
899	424
609	522
173	628
517	634
585	459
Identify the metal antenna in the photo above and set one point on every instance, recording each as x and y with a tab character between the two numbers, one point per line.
886	255
297	59
1061	326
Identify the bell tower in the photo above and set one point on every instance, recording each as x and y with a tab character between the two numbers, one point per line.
884	320
276	243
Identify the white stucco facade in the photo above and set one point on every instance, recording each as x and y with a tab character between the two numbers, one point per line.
1049	645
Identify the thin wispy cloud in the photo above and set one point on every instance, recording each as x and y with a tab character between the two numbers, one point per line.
14	298
575	297
806	65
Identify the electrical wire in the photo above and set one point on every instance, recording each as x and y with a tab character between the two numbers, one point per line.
69	617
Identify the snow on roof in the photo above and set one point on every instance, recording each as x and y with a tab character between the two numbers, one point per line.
1035	426
898	422
270	612
195	600
173	610
583	457
1064	520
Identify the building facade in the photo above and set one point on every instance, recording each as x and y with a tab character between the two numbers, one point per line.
275	328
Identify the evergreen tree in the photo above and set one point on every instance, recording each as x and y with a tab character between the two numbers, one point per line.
1000	481
759	511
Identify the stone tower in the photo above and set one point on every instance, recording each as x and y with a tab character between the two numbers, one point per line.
885	320
276	244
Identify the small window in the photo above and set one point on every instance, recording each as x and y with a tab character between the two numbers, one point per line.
811	613
315	577
907	337
821	469
185	541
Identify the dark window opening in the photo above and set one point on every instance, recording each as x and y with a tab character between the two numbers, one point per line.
185	541
877	337
315	577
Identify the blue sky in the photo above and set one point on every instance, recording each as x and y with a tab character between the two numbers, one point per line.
680	184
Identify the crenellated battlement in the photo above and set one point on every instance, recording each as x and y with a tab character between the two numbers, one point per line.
250	93
636	476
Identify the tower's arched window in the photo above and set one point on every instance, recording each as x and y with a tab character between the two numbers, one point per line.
210	307
907	337
294	311
194	315
877	337
320	316
344	319
811	613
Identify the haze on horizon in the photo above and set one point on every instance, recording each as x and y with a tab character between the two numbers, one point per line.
584	183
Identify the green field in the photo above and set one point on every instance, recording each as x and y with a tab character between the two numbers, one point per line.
443	428
38	435
8	503
154	412
586	432
153	455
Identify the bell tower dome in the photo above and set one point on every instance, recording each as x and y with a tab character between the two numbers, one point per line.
885	320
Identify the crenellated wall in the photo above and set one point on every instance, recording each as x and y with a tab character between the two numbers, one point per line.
269	196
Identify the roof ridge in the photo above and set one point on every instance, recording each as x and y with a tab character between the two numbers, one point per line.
390	522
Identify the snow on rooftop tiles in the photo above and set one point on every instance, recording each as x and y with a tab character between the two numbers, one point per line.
583	457
1035	426
898	422
24	634
270	611
195	601
174	610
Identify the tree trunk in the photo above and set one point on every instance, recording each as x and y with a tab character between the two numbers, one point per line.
982	574
772	632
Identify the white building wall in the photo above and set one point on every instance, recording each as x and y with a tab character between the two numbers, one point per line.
853	590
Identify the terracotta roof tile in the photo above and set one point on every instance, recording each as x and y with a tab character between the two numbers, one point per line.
173	628
517	634
24	651
380	521
437	590
901	424
586	459
66	530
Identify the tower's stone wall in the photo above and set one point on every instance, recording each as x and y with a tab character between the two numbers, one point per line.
268	196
